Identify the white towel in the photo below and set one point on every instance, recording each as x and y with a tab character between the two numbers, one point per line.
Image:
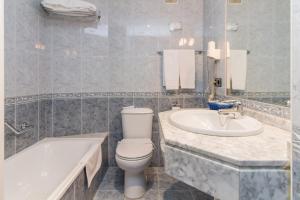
70	7
187	70
237	69
93	164
171	69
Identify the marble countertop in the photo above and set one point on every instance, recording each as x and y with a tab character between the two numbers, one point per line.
268	149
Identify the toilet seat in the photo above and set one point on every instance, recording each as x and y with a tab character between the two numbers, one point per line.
134	149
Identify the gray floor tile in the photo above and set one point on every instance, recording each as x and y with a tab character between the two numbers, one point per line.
149	195
175	195
198	195
152	181
109	195
168	183
160	186
113	180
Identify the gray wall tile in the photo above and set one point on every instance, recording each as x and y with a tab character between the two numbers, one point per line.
96	74
151	103
115	108
193	102
9	136
95	115
27	113
26	73
45	74
66	74
45	119
165	103
66	117
10	73
115	124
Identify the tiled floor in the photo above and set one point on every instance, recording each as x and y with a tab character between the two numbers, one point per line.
160	187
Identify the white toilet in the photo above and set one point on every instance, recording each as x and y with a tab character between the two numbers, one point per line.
134	152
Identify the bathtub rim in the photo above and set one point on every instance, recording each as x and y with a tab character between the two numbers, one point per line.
63	186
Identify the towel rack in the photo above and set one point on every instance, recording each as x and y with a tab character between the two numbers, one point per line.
196	52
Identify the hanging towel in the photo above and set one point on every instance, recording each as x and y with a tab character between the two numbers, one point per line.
187	72
70	7
170	69
93	164
237	69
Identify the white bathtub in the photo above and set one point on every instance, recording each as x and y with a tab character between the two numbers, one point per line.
45	170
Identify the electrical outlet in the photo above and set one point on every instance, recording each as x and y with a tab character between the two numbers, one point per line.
218	82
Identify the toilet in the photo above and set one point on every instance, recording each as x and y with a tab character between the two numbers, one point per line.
134	152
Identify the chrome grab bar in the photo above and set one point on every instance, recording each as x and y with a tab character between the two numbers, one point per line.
24	128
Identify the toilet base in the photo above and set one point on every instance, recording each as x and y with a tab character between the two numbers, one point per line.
135	185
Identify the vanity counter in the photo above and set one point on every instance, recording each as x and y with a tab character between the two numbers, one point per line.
268	149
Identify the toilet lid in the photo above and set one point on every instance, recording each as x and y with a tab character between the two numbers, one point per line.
134	148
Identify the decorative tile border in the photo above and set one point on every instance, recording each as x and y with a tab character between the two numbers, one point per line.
31	98
262	94
279	111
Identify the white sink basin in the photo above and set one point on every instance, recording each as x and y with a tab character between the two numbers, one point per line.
209	122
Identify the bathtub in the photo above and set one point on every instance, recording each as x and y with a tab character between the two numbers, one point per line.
48	168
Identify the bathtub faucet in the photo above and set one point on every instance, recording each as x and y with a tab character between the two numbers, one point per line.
236	112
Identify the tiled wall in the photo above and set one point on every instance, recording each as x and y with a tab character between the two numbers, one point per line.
51	54
214	30
296	97
67	57
78	113
264	31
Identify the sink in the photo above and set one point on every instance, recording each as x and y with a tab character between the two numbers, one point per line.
209	122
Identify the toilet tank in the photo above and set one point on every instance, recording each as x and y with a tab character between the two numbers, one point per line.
137	122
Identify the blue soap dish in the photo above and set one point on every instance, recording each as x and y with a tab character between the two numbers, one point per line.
215	105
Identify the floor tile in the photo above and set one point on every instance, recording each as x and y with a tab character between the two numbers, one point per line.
108	195
168	183
160	186
175	195
198	195
149	195
113	180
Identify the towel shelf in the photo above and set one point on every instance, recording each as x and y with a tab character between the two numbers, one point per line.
91	17
196	52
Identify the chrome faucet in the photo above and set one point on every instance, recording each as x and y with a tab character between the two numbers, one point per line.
236	112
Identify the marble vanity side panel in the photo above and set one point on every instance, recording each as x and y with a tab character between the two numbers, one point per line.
296	170
211	177
271	184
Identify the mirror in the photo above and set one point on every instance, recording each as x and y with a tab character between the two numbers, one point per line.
258	50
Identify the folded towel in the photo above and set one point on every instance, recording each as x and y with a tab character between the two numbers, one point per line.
171	70
187	70
72	7
93	164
